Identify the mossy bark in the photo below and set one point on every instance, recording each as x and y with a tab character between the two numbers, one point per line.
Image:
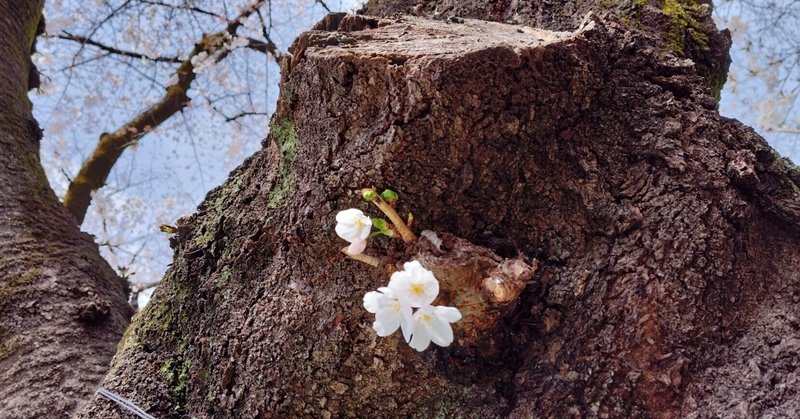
62	308
665	236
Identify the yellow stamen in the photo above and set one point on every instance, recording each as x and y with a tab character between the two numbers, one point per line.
417	289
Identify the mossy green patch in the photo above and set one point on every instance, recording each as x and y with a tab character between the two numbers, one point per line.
684	26
285	137
7	347
176	373
202	240
16	284
224	277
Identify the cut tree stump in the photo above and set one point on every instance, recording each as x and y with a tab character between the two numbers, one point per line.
666	237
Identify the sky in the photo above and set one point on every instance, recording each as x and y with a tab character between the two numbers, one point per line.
167	174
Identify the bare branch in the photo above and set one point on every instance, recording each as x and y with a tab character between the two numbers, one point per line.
98	165
324	6
183	7
242	115
268	47
88	41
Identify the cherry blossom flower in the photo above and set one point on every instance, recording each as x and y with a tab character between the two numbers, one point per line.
414	285
390	313
432	324
352	225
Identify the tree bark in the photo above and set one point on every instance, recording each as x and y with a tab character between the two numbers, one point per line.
666	237
62	308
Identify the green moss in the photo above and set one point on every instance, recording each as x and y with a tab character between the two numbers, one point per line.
176	373
16	284
7	347
285	137
129	338
287	93
684	25
283	190
224	277
204	239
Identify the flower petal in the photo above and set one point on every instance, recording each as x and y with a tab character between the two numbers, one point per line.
421	340
386	322
450	314
347	232
406	321
372	301
387	292
440	331
357	247
348	215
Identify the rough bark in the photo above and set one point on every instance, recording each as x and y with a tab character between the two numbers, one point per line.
62	308
666	237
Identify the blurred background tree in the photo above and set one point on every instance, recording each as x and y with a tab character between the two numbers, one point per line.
106	63
764	77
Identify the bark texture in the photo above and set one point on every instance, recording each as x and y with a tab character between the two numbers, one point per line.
62	308
666	237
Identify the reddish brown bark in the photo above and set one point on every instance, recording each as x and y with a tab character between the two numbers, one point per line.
666	237
62	308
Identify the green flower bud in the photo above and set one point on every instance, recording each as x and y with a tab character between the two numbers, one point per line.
369	195
380	224
389	195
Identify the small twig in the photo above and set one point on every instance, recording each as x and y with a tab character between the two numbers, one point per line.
364	258
400	225
83	40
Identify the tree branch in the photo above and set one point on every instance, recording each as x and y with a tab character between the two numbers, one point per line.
268	47
98	165
88	41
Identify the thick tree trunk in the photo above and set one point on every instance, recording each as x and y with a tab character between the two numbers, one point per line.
666	237
62	308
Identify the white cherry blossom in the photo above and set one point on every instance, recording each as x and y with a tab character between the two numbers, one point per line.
414	284
352	225
390	313
432	324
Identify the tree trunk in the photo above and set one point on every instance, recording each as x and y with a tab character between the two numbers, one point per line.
62	308
666	237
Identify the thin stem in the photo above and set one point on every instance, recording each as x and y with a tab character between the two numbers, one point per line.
400	225
363	257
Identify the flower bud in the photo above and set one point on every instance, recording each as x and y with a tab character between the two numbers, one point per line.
369	195
389	195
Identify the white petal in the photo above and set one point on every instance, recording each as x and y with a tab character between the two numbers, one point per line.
406	321
348	215
372	301
357	248
387	292
441	332
412	266
450	314
399	282
386	322
348	232
431	287
364	228
420	341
